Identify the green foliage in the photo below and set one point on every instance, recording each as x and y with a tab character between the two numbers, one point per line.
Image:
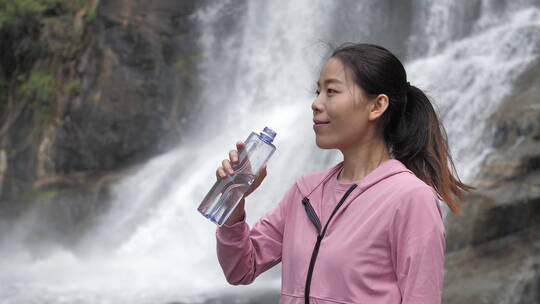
31	30
74	88
90	16
40	33
39	38
61	37
44	195
26	12
19	12
30	194
40	89
78	4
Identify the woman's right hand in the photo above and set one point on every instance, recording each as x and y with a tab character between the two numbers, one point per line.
226	168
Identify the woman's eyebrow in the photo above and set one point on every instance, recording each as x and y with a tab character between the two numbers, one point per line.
329	80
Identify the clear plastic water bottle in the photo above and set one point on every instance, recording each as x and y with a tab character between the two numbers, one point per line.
227	192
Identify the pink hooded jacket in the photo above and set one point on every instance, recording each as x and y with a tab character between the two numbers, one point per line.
384	244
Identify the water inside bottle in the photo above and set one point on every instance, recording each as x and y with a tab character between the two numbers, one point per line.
226	193
216	206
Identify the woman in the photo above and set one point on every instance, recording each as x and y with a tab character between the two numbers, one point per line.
370	229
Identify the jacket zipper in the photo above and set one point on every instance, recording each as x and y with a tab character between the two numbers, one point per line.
315	220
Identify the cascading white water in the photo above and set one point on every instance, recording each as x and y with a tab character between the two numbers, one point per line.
154	247
469	78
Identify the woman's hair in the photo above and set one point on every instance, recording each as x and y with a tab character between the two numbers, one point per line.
410	125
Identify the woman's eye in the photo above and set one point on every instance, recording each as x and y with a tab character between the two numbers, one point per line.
331	91
317	92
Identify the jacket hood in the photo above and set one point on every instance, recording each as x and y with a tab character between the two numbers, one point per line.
308	183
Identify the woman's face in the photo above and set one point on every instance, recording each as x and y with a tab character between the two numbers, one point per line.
343	107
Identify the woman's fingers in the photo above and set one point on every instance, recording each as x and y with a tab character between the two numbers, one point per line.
226	164
220	173
233	156
240	146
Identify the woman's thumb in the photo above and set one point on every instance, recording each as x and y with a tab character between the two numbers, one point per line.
262	174
257	181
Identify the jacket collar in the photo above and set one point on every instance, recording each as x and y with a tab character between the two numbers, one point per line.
308	183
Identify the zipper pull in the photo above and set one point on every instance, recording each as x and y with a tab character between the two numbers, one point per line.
312	215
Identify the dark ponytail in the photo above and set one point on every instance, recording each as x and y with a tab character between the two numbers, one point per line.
409	125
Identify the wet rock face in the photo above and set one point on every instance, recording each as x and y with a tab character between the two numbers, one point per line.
493	252
138	81
128	94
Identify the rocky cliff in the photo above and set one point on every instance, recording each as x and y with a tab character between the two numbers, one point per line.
493	252
122	95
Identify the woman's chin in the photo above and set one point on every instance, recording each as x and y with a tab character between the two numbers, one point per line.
323	145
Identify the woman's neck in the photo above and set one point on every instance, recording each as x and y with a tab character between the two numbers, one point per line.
359	161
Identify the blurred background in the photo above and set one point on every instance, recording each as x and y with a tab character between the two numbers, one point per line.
114	116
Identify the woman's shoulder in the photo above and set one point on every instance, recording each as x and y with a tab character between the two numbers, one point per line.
409	186
412	193
409	181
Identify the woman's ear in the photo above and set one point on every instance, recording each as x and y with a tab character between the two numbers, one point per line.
378	105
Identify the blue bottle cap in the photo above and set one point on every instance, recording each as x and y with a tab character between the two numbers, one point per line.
268	135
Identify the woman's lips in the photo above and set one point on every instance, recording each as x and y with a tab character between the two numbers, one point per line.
318	125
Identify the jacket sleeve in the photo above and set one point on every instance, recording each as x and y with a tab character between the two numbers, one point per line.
243	253
418	244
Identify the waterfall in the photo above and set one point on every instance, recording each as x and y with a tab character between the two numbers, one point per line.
258	68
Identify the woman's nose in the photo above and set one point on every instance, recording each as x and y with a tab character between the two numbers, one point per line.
316	105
